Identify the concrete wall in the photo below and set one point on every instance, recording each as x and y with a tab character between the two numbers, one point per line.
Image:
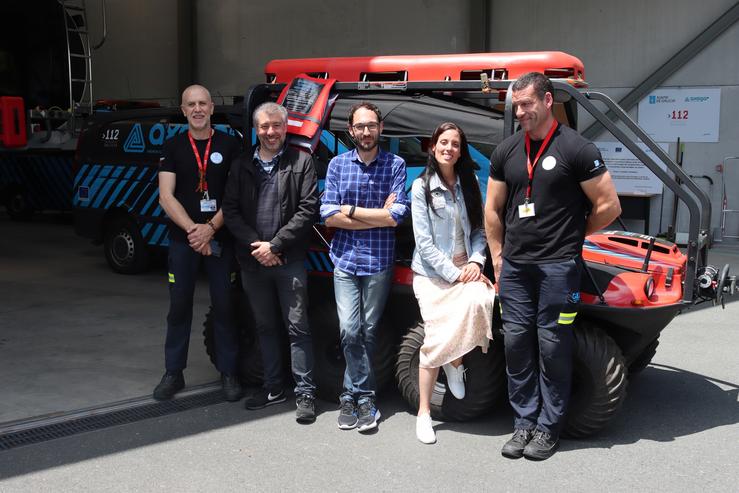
235	39
139	59
622	43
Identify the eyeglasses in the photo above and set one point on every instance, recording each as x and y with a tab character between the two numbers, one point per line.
372	127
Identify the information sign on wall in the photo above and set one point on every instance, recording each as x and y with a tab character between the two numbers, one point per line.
690	113
629	174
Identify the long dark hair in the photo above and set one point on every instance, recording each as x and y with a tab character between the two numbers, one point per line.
465	168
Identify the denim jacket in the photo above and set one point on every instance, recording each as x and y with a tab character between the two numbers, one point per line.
434	231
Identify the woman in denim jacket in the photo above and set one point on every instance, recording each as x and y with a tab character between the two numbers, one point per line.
455	299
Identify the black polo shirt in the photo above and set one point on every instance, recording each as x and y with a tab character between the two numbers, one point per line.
557	231
178	158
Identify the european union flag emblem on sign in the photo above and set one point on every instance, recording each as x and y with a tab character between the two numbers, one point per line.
135	140
652	99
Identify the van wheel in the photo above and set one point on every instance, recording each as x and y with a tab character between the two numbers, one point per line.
16	203
598	382
125	249
328	371
485	380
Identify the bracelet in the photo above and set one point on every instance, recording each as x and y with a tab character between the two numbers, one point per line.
210	223
351	211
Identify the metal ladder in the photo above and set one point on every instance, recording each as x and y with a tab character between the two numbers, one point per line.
79	51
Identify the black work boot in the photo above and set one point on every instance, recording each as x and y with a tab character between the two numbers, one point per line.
542	446
513	448
231	387
305	411
172	382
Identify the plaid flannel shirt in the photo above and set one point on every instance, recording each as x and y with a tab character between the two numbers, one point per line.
351	182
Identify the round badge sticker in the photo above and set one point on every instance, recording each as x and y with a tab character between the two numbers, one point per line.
216	158
549	163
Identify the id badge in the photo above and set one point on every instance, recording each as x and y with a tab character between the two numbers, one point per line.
208	205
438	201
526	210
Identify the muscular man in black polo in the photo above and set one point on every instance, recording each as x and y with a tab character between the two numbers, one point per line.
548	188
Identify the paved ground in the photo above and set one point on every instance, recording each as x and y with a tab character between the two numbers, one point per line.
678	431
75	334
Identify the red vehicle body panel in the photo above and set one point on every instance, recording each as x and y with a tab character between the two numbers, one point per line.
554	64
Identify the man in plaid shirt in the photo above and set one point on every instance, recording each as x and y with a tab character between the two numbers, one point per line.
365	200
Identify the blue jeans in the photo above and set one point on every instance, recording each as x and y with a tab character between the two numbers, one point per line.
282	289
360	301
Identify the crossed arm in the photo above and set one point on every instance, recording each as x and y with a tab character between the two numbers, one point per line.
363	217
392	211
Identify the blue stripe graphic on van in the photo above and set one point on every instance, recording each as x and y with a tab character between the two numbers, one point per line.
155	237
115	193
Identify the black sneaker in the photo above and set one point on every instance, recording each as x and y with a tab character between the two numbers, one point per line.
262	398
347	415
367	416
171	383
541	447
231	387
513	448
305	411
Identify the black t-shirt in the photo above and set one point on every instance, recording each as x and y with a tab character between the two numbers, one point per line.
557	230
177	157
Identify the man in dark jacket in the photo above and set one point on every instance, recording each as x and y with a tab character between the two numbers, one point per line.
270	205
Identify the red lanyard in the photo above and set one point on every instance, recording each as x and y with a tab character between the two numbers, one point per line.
202	164
530	166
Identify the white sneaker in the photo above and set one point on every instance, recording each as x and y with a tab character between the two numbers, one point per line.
455	379
424	429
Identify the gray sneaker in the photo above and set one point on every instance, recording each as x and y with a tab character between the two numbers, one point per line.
347	415
368	416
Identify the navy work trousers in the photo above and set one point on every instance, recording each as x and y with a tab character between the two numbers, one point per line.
539	303
278	297
184	263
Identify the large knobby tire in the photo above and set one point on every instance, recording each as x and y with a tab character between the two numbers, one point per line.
485	383
250	369
598	382
328	371
644	358
125	248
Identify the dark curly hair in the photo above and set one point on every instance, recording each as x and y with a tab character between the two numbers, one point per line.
366	106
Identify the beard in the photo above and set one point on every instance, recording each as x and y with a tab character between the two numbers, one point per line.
367	145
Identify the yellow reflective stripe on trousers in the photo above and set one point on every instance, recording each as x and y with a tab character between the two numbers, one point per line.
566	318
171	277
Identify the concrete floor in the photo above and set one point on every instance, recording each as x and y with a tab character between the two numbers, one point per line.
73	334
